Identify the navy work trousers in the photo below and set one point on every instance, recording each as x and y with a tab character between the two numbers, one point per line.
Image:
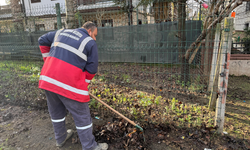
57	106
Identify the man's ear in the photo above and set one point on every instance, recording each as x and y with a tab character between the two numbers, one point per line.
89	31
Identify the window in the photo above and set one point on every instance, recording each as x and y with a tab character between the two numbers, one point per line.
107	23
40	27
139	21
55	25
247	6
104	23
35	1
246	26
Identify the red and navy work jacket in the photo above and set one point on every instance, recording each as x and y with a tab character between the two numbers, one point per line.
70	63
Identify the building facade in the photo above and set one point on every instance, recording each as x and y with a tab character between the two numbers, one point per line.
40	15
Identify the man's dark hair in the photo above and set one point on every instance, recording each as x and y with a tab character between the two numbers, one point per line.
89	25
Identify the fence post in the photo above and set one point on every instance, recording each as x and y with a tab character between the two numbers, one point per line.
226	41
213	82
58	16
215	54
137	16
80	20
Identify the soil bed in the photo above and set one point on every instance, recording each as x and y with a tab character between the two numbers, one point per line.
141	96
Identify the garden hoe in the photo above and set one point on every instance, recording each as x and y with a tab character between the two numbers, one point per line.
130	121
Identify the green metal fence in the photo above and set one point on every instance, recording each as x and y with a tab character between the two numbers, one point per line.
142	71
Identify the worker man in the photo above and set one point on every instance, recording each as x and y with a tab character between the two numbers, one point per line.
70	63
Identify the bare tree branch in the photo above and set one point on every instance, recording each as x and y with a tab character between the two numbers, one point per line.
217	6
194	53
99	16
225	12
207	20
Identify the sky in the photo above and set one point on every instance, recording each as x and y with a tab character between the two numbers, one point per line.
2	2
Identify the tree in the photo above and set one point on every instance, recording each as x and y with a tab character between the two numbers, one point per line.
182	39
162	8
16	12
70	13
164	11
127	7
217	12
99	16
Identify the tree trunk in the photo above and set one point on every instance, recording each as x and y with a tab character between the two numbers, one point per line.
70	15
182	40
17	15
131	31
130	11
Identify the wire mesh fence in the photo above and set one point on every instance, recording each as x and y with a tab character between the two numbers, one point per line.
143	68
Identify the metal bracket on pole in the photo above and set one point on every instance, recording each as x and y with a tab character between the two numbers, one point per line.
226	29
222	74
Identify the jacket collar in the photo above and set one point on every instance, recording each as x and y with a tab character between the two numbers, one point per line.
84	30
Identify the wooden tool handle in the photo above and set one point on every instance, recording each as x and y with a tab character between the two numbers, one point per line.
130	121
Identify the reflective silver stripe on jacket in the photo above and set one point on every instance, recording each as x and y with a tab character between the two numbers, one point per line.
71	49
57	34
62	85
84	43
70	36
85	127
86	80
58	120
74	32
45	54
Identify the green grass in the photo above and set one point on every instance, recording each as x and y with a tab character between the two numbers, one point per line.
24	69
